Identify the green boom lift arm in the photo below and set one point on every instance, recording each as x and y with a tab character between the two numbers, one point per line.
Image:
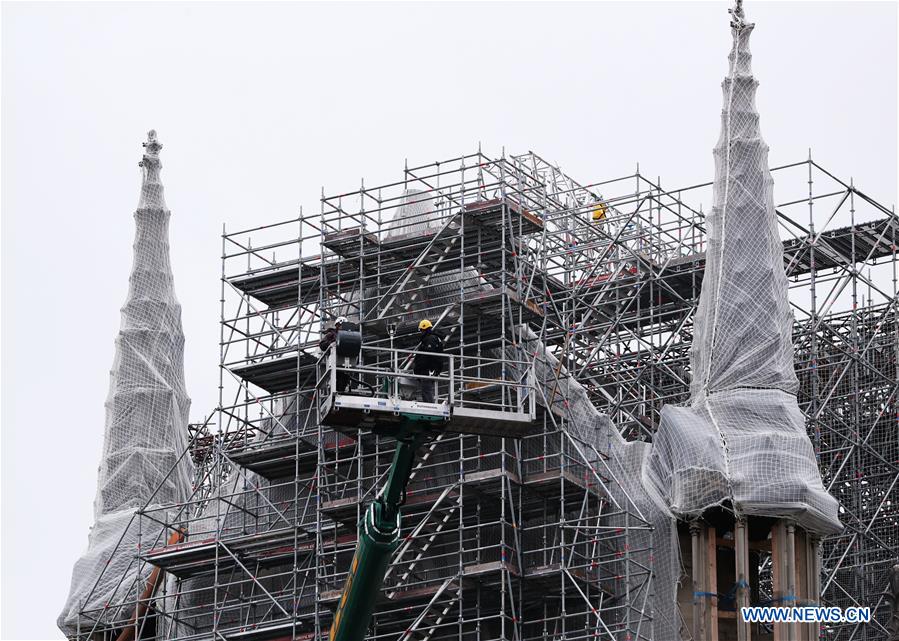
379	535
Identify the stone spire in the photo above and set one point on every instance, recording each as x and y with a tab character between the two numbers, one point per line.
147	407
146	416
743	328
741	441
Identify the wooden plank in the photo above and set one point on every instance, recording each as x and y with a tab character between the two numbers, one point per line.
698	572
712	582
802	591
777	579
790	554
814	578
741	556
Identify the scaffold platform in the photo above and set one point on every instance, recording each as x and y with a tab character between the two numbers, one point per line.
510	412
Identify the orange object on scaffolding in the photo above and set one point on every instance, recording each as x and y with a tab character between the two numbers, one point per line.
127	634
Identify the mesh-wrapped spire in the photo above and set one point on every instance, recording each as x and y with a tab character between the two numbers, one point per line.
742	333
146	418
742	439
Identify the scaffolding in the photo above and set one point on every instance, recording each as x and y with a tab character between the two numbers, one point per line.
523	525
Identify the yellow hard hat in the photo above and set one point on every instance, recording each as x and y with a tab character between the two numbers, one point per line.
425	324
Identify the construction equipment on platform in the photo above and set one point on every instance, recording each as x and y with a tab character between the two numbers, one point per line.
412	424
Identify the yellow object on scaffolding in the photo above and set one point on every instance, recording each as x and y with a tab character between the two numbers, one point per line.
599	211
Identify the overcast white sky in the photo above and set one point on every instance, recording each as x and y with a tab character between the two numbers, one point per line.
260	105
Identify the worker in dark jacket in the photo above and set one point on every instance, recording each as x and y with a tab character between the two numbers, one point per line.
330	336
427	363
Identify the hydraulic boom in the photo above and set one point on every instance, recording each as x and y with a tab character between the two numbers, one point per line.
379	535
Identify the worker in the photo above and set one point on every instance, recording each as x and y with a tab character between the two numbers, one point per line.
329	337
427	363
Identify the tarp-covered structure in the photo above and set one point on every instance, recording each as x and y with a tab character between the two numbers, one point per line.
143	464
741	439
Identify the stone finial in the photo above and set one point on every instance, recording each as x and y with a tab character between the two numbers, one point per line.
152	148
737	18
151	195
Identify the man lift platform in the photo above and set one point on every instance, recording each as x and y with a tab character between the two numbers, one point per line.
466	402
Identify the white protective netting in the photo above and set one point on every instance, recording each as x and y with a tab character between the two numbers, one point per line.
741	439
417	214
145	435
592	440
